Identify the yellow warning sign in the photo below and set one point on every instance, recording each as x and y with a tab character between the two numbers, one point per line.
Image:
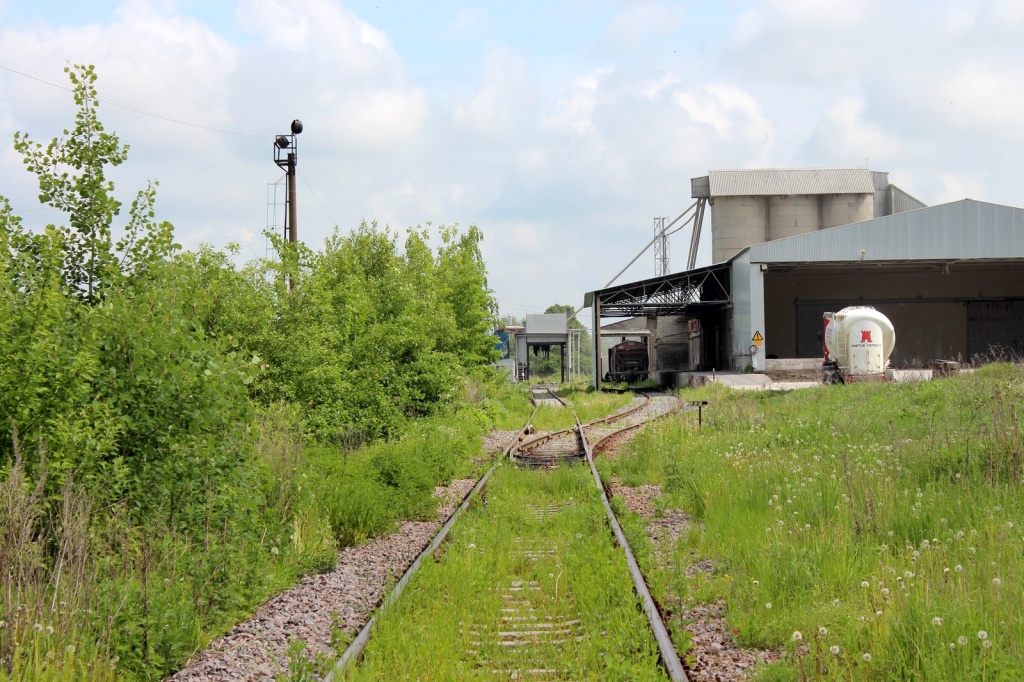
758	339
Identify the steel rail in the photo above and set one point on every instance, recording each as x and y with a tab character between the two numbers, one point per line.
358	645
669	657
518	452
547	388
624	413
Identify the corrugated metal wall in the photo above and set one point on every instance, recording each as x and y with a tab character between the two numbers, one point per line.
960	230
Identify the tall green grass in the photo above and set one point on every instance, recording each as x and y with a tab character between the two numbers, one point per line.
123	601
587	403
439	629
874	531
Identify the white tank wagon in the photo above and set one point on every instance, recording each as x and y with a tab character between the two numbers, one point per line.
858	341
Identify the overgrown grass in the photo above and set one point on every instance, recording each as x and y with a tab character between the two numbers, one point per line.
96	596
587	403
874	531
445	626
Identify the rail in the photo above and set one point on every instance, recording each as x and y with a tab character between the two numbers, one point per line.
669	657
358	645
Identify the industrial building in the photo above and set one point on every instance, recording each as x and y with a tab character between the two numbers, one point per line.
791	244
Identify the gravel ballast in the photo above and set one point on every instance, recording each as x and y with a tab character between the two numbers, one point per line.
257	649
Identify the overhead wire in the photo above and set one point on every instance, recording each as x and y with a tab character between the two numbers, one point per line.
27	73
310	188
162	184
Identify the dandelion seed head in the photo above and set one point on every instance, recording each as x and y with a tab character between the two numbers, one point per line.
997	582
797	636
987	643
867	658
962	640
37	627
982	635
768	606
936	621
958	568
865	583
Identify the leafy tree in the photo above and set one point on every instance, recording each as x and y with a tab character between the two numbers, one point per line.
101	363
72	178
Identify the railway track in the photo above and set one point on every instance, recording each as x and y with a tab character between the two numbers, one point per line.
533	619
544	394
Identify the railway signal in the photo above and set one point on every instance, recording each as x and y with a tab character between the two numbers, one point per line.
286	156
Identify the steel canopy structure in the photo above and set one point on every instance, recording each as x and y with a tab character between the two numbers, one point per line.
668	295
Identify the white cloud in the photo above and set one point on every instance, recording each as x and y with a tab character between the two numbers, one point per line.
525	238
643	20
506	93
321	28
850	139
954	187
730	111
1008	13
145	58
575	111
654	89
377	119
468	19
984	96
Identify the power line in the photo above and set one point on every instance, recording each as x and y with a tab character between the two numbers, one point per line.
333	221
162	184
22	71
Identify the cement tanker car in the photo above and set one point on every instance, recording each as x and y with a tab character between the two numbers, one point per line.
858	341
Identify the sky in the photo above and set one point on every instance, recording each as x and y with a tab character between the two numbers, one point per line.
561	128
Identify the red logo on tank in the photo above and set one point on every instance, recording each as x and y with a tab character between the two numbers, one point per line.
865	336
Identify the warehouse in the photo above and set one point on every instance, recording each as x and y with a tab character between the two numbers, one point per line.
950	277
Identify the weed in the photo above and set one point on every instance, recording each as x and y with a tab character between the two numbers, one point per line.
883	522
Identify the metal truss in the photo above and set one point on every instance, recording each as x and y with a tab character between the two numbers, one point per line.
668	295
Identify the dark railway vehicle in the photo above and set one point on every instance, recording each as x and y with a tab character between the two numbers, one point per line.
627	361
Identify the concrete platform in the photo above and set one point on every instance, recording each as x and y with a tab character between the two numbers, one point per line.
747	381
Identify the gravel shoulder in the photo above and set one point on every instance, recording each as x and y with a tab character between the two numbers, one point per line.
345	597
713	651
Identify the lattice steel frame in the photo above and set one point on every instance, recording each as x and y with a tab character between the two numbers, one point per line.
668	295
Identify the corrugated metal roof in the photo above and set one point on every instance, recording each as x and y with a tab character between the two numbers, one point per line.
959	230
790	181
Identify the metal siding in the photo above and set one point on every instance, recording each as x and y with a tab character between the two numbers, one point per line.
741	307
700	188
757	314
789	181
901	201
546	323
964	229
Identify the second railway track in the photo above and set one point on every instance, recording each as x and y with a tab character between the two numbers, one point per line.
532	586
